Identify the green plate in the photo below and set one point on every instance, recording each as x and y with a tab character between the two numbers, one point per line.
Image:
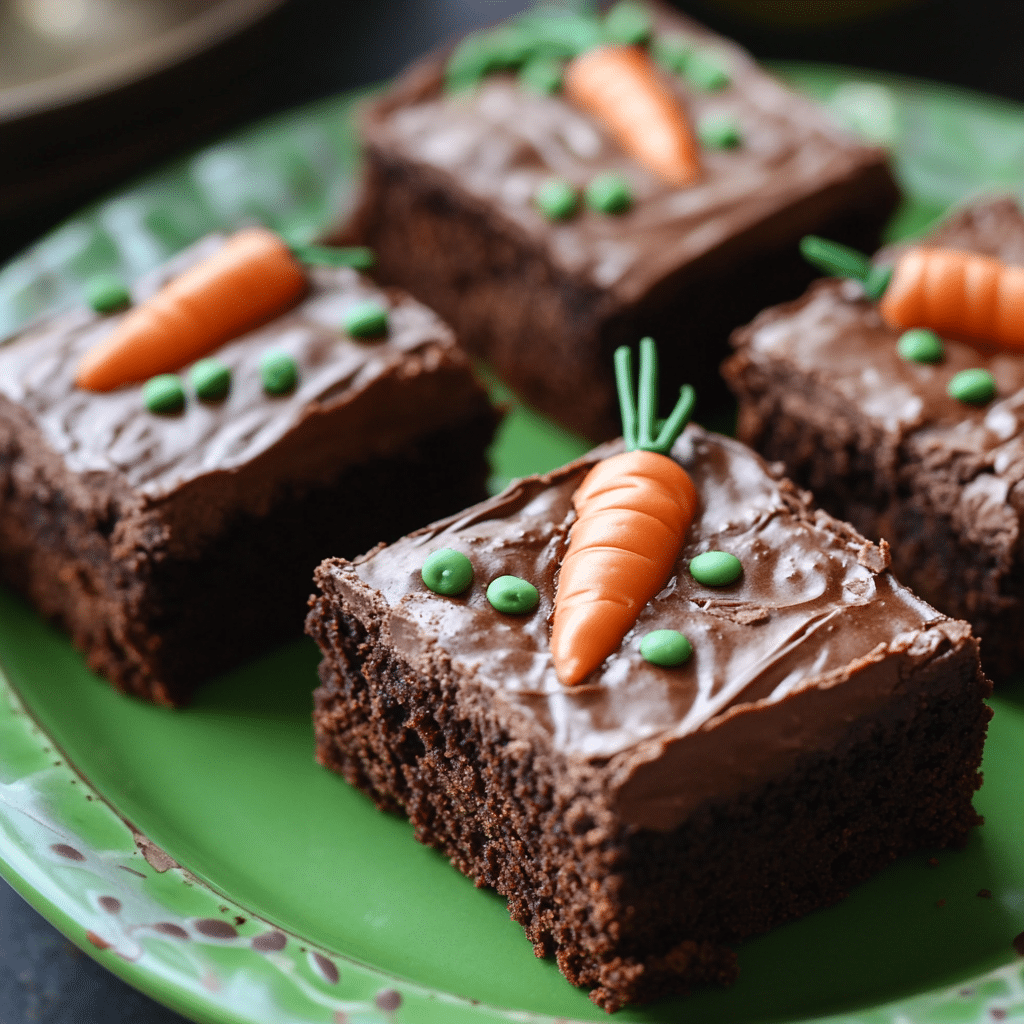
205	858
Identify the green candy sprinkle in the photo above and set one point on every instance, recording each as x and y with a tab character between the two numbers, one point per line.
609	193
512	595
706	70
366	320
921	346
718	131
279	373
163	393
628	23
975	387
210	379
542	75
715	568
448	572
106	293
666	647
556	199
673	51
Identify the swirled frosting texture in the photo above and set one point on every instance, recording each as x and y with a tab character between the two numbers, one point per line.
356	399
500	142
814	635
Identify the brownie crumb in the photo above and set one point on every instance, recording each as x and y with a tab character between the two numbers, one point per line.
933	862
985	894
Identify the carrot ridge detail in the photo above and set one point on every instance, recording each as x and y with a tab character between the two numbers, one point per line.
250	279
963	294
950	291
621	87
633	511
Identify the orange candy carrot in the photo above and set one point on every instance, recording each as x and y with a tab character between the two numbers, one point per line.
633	512
250	279
955	293
621	87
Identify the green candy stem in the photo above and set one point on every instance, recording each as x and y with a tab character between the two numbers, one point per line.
639	415
836	260
357	256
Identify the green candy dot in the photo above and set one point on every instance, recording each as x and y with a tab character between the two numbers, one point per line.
556	199
163	393
609	193
542	75
447	572
976	387
512	595
279	373
715	568
628	23
666	647
717	131
673	51
366	320
706	70
210	379
921	346
107	292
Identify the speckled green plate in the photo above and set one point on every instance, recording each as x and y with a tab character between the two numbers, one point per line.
204	857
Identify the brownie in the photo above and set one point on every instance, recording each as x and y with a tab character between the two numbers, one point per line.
882	444
172	547
450	209
642	822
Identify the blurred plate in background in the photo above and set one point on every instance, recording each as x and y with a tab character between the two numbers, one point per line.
92	90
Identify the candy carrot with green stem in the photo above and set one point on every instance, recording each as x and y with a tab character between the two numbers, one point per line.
609	77
252	277
633	510
963	294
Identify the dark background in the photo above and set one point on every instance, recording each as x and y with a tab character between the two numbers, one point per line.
309	49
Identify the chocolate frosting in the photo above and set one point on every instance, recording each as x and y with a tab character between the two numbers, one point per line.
355	400
815	634
838	337
501	141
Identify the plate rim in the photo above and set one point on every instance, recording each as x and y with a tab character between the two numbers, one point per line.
148	58
57	900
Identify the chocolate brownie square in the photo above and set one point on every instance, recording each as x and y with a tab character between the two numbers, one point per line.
453	197
639	824
882	443
173	546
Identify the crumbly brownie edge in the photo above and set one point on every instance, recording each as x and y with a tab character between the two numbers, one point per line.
904	489
155	623
499	807
550	337
537	328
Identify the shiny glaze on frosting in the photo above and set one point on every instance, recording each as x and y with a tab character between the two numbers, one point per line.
501	141
837	336
345	408
815	634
